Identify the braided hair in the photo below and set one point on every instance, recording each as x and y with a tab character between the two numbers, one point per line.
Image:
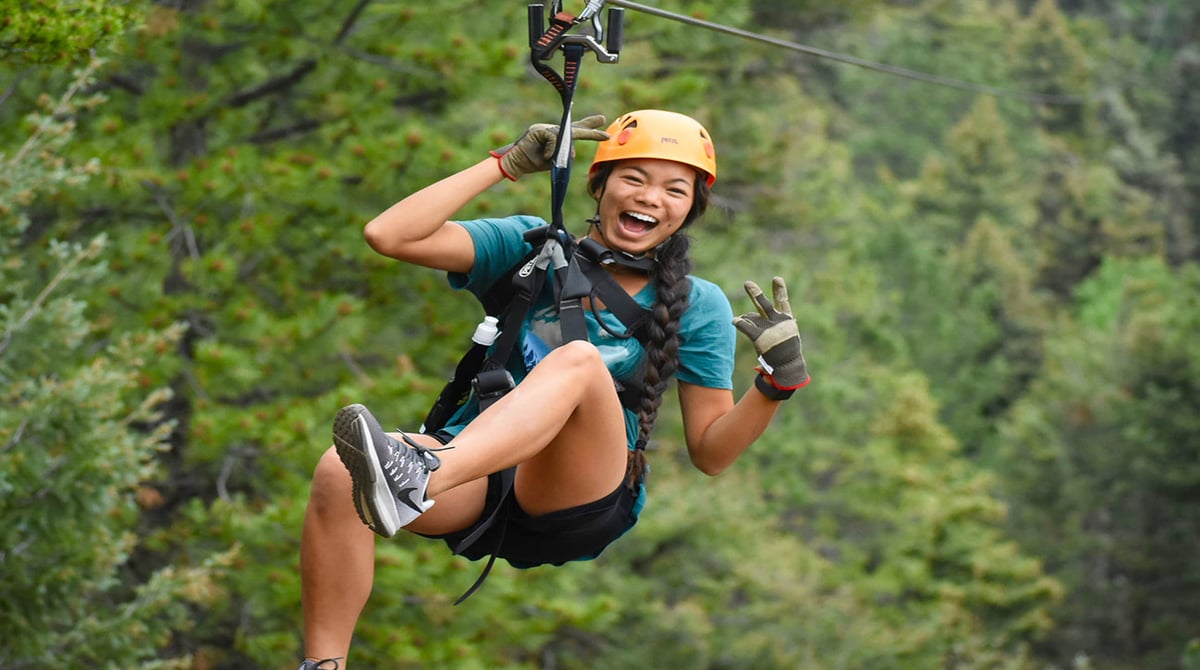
672	289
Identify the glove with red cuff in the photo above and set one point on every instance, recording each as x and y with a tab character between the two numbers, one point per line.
776	338
534	150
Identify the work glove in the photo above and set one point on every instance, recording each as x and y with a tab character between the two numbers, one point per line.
776	338
534	151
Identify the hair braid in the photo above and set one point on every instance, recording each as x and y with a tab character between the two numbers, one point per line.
662	339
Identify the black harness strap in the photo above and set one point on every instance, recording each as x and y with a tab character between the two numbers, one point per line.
585	276
527	284
592	258
457	390
507	477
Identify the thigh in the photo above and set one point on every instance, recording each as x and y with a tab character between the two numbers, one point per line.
454	509
588	456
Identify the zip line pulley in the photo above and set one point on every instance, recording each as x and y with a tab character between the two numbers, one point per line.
547	38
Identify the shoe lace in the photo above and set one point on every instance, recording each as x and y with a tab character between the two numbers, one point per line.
416	453
313	664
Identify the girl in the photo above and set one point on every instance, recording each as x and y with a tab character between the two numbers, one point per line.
554	470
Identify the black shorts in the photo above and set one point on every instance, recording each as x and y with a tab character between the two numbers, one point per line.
555	538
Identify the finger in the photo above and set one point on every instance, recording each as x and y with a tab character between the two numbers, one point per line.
760	300
781	296
747	325
593	121
589	128
547	138
586	134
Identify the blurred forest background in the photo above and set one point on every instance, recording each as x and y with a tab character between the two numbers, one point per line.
997	466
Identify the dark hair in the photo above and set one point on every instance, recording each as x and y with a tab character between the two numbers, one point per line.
672	290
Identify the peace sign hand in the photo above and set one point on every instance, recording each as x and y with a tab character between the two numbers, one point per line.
775	336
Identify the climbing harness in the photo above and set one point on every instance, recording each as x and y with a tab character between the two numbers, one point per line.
576	268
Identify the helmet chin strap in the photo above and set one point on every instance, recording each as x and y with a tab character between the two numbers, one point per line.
640	262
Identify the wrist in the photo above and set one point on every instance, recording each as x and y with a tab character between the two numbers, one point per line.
498	154
792	371
766	386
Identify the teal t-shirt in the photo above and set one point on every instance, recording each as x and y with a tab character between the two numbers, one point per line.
707	338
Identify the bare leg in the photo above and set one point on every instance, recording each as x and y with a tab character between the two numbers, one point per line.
337	562
564	427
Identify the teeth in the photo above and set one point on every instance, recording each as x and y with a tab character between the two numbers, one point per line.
641	217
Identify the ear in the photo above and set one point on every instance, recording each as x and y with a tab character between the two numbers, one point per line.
598	192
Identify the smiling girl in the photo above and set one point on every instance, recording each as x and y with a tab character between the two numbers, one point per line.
554	471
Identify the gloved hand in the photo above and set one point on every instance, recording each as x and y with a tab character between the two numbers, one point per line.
534	151
775	336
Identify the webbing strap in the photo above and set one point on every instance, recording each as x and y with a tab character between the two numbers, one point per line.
456	391
575	288
527	285
507	477
591	256
560	171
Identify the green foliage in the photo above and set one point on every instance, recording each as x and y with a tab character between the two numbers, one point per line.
978	284
892	123
1101	461
48	31
1050	61
80	433
912	527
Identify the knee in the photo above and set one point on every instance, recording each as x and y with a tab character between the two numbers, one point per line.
331	485
577	356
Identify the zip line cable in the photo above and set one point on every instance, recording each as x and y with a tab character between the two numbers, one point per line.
1040	98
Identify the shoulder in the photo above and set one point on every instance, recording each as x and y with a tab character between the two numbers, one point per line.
499	245
706	296
707	337
709	313
500	227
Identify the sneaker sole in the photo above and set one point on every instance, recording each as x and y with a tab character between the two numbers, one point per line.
375	504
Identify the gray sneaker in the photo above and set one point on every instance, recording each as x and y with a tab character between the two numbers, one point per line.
311	664
389	477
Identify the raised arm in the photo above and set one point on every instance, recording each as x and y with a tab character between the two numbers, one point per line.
418	229
716	429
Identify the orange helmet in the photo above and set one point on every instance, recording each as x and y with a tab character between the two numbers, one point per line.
655	133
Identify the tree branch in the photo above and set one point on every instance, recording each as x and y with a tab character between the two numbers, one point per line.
286	131
12	87
63	272
280	83
16	438
348	24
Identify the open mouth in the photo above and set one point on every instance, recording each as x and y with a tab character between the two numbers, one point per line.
636	222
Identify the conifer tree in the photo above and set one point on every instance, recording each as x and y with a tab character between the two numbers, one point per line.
80	432
1101	465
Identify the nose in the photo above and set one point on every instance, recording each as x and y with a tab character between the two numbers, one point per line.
649	194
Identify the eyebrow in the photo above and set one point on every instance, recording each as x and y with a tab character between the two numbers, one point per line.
646	173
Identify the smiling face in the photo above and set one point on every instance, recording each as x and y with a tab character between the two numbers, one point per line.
643	202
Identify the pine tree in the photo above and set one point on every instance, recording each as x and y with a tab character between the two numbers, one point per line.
1101	466
80	433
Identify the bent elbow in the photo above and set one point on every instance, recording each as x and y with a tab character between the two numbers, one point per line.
709	467
376	239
